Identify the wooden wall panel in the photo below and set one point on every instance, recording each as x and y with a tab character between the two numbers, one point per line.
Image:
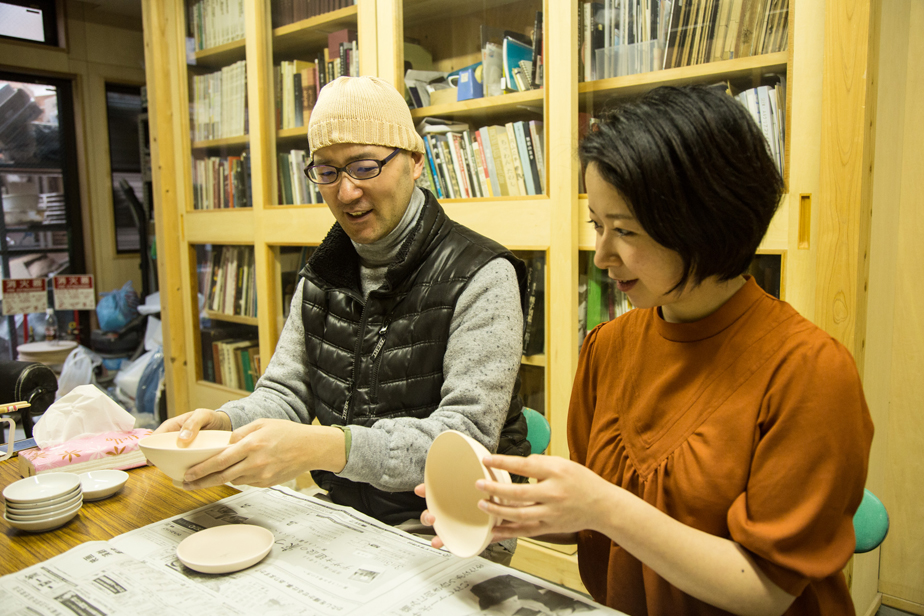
902	565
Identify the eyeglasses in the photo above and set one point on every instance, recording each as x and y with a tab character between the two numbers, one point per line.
364	169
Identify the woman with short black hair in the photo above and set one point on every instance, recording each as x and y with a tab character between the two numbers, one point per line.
719	440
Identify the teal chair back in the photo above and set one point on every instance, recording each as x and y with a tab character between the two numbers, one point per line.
538	431
870	523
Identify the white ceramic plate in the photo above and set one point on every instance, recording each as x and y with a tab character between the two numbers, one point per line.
42	487
225	549
50	502
42	525
39	512
98	485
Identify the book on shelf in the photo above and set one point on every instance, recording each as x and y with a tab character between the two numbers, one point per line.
536	76
230	273
515	52
519	139
219	105
534	310
626	37
538	141
484	141
215	22
497	160
230	365
285	12
109	450
515	160
431	166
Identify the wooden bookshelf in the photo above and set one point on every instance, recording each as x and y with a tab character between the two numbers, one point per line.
552	223
220	55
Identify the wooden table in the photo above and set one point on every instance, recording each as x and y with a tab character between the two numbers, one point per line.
148	496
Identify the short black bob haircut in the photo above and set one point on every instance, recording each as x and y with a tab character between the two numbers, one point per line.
695	170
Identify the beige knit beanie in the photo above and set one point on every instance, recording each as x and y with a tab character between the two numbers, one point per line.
365	110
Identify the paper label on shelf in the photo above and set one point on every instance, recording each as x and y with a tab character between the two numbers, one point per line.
74	293
24	296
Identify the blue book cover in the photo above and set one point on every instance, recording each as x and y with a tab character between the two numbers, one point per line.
514	52
436	176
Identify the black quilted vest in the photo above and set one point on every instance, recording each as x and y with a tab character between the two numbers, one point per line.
383	357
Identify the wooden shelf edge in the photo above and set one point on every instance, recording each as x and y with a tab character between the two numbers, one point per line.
231	318
476	105
325	19
687	74
241	140
534	360
220	54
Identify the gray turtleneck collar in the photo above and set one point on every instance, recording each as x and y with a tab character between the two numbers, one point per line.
381	253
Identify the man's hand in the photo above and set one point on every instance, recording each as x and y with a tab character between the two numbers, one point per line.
270	451
189	424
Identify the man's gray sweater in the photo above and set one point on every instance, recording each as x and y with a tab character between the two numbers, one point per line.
479	369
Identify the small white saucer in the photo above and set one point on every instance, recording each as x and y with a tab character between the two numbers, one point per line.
37	526
98	485
38	488
225	549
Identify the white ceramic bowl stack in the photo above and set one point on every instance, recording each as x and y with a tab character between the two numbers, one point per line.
42	502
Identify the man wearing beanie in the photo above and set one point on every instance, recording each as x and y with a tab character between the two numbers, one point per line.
404	325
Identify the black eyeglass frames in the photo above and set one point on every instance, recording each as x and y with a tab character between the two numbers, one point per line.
364	169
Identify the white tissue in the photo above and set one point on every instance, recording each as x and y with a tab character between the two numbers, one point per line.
85	411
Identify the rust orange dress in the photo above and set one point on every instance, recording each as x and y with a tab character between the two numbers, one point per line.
750	424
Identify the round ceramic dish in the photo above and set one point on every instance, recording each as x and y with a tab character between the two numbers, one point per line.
97	485
45	503
453	466
48	524
44	487
37	512
225	549
161	451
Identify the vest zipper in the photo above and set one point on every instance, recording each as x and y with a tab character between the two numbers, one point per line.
357	354
376	364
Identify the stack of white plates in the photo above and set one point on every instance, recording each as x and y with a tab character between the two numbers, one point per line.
42	502
50	353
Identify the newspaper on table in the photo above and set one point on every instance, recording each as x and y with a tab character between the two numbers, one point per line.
327	560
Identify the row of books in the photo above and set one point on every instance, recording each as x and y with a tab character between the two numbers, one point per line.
599	300
297	82
219	103
340	58
294	187
231	276
493	161
296	91
221	182
235	363
624	37
215	22
767	105
534	313
230	354
285	12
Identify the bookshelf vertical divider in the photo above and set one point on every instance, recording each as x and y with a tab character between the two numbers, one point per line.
561	96
261	111
390	36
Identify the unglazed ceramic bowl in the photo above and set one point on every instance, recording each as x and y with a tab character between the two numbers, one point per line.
162	451
453	466
224	549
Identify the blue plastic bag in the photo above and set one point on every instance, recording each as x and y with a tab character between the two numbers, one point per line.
117	308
